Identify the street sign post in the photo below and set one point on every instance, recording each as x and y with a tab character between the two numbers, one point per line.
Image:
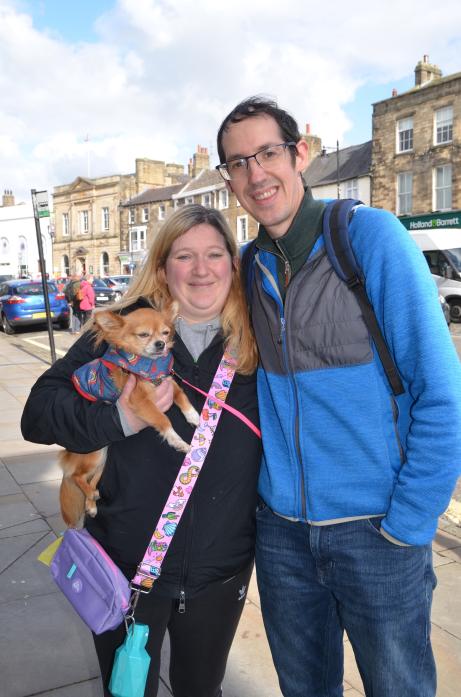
41	210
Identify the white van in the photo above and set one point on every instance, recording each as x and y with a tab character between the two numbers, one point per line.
442	249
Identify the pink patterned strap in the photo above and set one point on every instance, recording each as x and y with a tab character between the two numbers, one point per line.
149	569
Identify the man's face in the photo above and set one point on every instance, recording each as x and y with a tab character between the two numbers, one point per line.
271	195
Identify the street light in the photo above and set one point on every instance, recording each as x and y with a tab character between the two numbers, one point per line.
323	153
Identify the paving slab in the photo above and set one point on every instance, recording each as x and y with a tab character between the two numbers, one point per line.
13	549
444	540
453	554
44	496
446	606
7	483
36	525
34	467
15	509
447	652
89	688
46	646
28	577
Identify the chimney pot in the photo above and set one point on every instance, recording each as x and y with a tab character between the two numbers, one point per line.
308	128
425	58
394	92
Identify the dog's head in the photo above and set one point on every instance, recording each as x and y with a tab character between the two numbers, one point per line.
145	332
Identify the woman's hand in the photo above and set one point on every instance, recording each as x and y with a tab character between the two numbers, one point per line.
131	422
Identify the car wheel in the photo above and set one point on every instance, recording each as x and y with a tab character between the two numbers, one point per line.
7	327
455	310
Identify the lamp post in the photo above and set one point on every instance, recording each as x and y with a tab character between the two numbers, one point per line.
336	149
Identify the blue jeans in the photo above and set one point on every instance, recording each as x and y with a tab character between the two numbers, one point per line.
317	581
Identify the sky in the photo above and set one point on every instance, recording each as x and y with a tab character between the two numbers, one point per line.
88	86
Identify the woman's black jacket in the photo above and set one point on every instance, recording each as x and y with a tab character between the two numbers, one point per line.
215	538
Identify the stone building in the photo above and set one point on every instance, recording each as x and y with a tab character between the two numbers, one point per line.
416	153
87	217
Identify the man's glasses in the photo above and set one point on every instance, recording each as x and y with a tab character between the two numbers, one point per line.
266	158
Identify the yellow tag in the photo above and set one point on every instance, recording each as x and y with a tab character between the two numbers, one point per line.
46	557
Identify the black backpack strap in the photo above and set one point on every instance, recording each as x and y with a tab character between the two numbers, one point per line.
337	244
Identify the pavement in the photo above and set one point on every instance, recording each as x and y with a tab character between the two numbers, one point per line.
46	650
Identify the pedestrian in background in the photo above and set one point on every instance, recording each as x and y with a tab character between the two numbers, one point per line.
87	302
72	293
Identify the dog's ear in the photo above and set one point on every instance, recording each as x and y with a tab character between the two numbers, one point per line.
107	321
173	309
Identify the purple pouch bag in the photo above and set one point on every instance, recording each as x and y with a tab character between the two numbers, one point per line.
90	580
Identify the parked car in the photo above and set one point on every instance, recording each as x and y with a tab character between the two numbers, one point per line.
119	284
103	294
22	304
445	309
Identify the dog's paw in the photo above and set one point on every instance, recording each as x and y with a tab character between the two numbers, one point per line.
192	416
91	509
96	495
176	441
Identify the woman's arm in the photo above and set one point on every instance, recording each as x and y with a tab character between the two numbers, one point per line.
56	413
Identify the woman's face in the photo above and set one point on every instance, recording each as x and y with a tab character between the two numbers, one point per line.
199	273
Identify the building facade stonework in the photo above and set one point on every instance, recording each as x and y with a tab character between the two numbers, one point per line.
416	151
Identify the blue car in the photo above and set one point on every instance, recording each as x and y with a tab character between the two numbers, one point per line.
22	304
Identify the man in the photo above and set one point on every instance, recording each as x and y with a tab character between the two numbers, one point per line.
353	479
70	292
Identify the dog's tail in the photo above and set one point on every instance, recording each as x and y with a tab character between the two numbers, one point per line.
72	501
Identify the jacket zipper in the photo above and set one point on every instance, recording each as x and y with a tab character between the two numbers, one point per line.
283	338
286	263
185	564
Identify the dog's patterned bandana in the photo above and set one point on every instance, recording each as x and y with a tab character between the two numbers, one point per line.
94	380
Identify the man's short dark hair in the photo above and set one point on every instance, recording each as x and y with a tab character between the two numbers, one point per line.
257	106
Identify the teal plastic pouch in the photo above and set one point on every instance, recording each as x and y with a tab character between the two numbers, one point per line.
131	663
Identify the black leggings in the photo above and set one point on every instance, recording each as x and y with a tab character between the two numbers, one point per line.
200	638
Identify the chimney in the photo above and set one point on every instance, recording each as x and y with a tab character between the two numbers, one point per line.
200	160
425	72
394	92
314	144
308	128
8	198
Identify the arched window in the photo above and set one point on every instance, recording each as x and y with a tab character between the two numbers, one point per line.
65	266
104	264
4	246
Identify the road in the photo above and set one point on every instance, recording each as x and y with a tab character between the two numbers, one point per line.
36	343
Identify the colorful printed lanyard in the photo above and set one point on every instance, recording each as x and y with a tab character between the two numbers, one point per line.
149	569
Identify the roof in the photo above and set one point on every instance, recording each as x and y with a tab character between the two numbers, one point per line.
435	82
161	193
206	178
354	162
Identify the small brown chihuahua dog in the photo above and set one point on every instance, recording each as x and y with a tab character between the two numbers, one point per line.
139	343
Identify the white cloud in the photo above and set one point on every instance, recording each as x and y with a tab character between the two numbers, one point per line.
164	73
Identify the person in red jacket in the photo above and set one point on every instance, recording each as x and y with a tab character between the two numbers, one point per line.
87	303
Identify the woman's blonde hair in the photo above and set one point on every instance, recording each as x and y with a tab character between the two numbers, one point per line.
150	282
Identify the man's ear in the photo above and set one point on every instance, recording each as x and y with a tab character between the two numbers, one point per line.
302	155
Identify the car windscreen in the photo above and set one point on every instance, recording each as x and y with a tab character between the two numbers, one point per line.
98	283
454	256
33	289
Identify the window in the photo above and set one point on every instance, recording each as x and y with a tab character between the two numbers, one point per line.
145	215
206	200
352	188
405	134
104	264
65	224
442	188
105	218
404	193
242	228
189	200
137	239
161	211
84	219
131	216
223	199
444	125
65	266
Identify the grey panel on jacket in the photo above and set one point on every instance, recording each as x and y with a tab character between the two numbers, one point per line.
324	321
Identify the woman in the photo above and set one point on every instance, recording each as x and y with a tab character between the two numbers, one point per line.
200	593
87	302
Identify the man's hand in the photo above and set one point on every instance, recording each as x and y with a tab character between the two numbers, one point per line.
131	422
